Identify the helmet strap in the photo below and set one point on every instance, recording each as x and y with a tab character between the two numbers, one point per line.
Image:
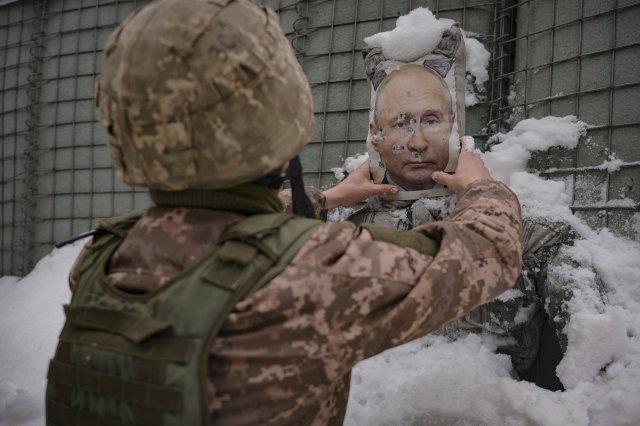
301	204
271	181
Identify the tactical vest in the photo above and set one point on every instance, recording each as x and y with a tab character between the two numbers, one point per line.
142	358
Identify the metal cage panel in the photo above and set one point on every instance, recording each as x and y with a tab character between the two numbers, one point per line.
581	58
556	57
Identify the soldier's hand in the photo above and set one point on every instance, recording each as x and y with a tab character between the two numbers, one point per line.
470	169
355	188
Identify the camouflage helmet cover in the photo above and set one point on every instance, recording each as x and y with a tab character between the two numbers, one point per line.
202	94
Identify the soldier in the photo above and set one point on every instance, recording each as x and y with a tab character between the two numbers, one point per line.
214	306
411	152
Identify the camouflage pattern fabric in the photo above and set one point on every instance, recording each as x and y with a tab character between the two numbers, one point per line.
165	233
315	196
285	353
515	316
188	87
403	215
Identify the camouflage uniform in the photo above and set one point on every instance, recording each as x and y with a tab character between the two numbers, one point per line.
285	354
516	315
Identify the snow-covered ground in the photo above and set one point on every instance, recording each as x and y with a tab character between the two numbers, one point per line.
31	318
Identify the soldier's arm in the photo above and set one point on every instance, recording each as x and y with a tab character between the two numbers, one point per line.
353	293
356	187
318	201
371	293
479	254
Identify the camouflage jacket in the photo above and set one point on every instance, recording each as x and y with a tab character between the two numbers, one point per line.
515	316
285	353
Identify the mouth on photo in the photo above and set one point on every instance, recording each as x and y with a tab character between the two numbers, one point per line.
420	164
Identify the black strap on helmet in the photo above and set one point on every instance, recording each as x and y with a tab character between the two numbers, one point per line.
301	204
271	181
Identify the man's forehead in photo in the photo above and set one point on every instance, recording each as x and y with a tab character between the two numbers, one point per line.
412	90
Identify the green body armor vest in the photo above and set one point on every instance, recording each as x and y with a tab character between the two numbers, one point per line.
142	359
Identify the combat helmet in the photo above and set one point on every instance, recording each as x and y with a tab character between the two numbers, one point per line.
202	94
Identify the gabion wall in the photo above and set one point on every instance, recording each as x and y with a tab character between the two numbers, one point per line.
558	57
582	58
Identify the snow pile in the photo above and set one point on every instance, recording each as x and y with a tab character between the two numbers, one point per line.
415	35
418	33
349	165
477	66
538	197
603	356
515	147
432	381
32	318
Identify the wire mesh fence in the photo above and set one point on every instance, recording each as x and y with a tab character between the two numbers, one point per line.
555	57
581	58
62	172
17	24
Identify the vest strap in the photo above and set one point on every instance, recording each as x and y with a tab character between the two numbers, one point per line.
64	400
236	252
62	414
137	393
256	226
416	195
133	327
159	348
415	240
144	370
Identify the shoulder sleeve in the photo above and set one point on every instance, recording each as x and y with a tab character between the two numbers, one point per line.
371	295
316	197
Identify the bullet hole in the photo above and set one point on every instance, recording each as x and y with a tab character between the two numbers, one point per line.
398	149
